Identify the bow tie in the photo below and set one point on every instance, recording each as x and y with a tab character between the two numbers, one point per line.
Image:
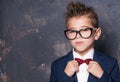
80	61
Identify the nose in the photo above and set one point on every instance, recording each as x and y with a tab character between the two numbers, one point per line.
78	35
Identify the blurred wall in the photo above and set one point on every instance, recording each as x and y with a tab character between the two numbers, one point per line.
31	35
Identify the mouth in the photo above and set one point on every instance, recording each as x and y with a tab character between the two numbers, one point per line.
79	43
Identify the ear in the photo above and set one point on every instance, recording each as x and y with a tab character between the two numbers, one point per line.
98	33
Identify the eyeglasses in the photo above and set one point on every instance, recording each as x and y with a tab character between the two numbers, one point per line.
84	33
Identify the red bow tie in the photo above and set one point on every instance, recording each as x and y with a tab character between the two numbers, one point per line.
80	61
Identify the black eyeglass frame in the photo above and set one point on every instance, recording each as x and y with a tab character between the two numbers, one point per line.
91	29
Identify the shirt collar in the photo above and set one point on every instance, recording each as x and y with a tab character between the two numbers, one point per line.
86	56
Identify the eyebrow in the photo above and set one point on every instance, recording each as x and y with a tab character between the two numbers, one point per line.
81	26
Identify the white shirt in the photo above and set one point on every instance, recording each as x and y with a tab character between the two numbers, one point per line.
82	74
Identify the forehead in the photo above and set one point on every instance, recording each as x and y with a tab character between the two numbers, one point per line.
79	22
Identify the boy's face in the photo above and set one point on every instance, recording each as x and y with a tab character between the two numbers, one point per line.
80	44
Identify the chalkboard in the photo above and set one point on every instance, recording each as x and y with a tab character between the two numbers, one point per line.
32	35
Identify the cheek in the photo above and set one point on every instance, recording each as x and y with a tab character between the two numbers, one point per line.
72	42
89	42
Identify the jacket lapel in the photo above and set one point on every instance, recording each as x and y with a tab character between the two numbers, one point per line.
70	57
97	57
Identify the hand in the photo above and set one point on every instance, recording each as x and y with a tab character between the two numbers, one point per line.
95	69
71	68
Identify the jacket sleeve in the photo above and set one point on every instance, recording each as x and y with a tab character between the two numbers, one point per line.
58	75
114	75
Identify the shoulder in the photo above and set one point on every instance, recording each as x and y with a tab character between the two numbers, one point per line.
63	60
105	59
104	56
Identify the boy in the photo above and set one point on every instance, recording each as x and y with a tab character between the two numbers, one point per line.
83	63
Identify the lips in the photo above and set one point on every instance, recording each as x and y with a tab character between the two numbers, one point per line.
79	43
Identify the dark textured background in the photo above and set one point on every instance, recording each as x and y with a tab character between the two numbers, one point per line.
31	35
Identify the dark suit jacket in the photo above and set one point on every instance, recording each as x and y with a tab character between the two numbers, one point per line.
109	65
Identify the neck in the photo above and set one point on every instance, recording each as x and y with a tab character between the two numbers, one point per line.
83	53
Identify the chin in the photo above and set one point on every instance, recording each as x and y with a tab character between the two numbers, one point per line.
79	49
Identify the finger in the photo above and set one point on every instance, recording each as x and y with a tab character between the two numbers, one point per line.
76	63
73	62
91	62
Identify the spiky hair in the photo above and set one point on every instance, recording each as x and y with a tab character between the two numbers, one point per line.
77	9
